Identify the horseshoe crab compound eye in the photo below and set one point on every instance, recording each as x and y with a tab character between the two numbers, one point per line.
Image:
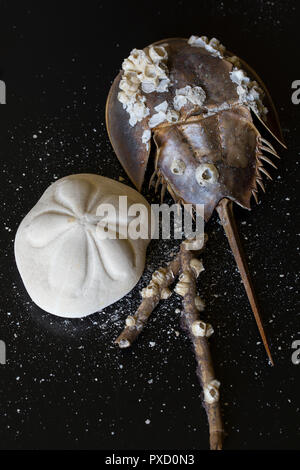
178	167
206	174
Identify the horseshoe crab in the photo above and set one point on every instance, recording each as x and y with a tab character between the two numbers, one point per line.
198	102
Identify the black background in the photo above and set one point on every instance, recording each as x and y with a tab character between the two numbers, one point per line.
65	385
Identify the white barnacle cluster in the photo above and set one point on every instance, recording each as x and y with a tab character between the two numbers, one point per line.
161	275
213	46
195	95
163	113
144	72
249	92
183	285
157	285
150	291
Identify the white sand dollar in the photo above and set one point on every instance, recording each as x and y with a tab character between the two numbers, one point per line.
66	266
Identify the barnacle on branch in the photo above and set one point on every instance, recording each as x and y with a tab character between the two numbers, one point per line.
185	276
199	333
165	293
130	321
197	266
200	328
211	392
150	291
199	303
161	276
157	289
195	244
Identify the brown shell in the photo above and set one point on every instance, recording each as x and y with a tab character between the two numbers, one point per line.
228	139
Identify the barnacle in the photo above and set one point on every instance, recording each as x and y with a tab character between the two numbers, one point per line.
142	72
185	277
157	119
159	276
172	116
163	113
130	321
182	288
211	392
195	95
249	92
201	329
150	291
146	136
199	303
165	293
195	244
197	266
213	46
124	343
157	53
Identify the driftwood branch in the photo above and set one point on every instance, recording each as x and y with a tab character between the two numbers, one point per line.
199	333
157	289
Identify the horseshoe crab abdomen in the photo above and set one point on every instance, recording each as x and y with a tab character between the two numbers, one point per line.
204	160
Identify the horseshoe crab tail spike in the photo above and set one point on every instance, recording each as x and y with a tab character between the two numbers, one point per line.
225	212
